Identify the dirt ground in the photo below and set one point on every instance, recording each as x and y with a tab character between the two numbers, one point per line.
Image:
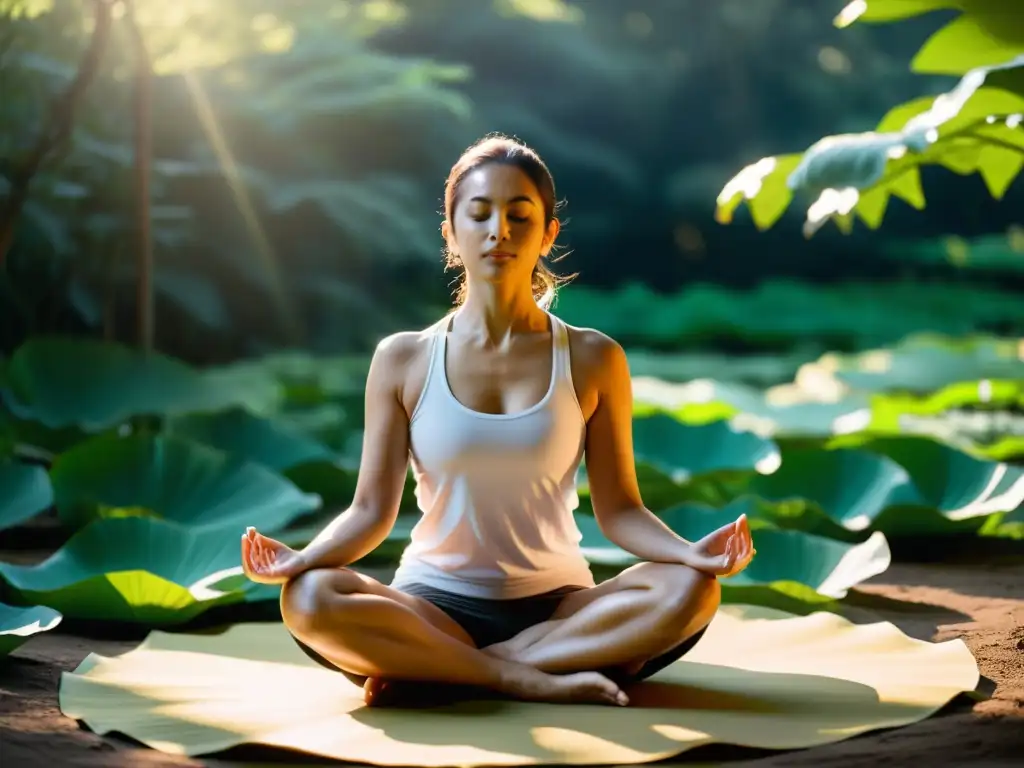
979	599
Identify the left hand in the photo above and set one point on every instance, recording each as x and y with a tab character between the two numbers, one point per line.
726	551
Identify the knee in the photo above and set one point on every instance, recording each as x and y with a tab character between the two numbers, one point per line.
684	596
305	598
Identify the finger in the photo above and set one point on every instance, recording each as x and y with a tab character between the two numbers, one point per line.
246	552
260	557
264	554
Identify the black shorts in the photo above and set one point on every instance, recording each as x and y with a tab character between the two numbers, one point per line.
494	621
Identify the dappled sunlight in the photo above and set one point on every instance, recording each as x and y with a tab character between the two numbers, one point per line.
851	13
268	259
746	184
542	10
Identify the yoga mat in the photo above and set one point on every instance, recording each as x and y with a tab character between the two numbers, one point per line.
758	678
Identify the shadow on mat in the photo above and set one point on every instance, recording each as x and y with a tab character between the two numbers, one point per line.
821	704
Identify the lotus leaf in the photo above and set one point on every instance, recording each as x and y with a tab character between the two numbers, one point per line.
64	382
134	569
960	485
782	411
925	364
238	432
668	454
172	478
18	624
278	445
796	564
681	451
24	492
902	486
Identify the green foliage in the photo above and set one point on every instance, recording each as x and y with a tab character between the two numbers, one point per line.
784	316
131	569
26	492
38	374
976	127
18	624
155	499
172	478
304	133
788	562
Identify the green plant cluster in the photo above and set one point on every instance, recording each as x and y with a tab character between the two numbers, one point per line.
976	127
783	315
152	470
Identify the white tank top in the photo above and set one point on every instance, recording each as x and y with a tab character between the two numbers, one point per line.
497	491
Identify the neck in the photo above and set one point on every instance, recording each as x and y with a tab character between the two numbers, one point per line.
493	313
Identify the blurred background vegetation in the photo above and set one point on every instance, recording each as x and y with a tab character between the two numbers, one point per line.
298	152
212	210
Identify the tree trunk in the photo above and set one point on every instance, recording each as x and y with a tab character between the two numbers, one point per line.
58	128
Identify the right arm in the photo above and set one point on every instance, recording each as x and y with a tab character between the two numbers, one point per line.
383	467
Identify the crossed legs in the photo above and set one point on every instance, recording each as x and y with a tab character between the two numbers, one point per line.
645	611
369	629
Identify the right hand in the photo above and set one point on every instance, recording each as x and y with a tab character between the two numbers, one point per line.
268	561
724	552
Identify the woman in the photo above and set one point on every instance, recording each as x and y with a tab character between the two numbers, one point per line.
495	406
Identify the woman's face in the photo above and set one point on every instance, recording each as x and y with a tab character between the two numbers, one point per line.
499	231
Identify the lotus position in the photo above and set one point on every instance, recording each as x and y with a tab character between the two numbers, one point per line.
495	406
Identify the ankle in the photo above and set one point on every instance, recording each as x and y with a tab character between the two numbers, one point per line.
509	675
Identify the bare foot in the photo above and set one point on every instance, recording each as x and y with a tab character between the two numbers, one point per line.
375	691
579	688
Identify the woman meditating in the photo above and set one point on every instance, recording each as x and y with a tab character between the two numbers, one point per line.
496	405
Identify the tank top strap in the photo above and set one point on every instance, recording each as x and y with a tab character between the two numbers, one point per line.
438	346
560	340
435	365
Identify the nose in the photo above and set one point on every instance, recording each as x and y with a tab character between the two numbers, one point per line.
499	228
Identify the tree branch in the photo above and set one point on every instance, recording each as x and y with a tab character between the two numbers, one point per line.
58	127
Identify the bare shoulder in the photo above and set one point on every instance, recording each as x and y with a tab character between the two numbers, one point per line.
399	349
400	363
593	347
598	360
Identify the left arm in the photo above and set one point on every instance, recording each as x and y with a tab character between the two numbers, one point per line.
614	491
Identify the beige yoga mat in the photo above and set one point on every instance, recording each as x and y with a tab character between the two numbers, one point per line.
758	678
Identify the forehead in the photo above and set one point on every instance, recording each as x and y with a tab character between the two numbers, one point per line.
497	182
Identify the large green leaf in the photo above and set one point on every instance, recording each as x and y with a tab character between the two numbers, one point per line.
18	624
24	492
261	439
902	486
681	451
668	453
775	412
278	445
64	382
800	565
972	128
134	569
172	478
923	363
891	10
986	32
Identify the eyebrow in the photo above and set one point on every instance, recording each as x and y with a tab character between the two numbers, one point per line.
517	199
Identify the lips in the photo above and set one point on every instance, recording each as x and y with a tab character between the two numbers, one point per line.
499	255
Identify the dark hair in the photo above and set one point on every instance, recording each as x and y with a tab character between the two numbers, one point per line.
498	148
